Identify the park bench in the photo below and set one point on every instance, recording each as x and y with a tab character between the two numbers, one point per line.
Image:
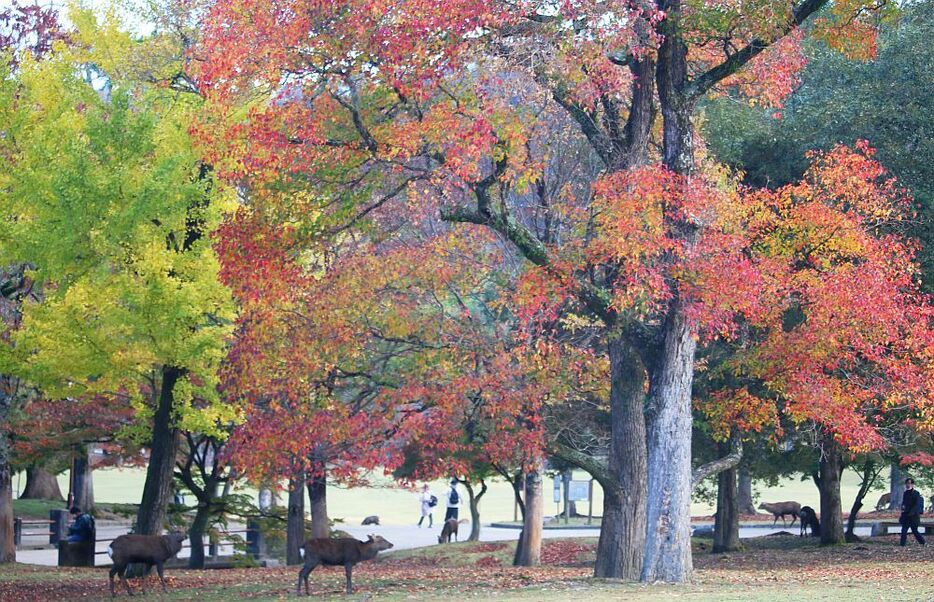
926	526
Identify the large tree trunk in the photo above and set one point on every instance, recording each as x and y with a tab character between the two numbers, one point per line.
668	535
622	532
295	525
744	501
41	485
7	547
726	521
318	497
668	531
896	487
831	510
474	505
200	523
157	490
82	481
529	548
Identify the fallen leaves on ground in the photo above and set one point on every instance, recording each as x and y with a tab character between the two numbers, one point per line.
764	562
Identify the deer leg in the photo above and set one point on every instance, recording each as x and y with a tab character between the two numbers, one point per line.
113	591
310	563
775	521
123	578
145	578
348	570
161	577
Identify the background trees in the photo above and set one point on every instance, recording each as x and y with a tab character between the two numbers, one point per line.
107	202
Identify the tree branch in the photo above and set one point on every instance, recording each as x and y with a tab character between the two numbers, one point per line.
596	468
725	463
737	60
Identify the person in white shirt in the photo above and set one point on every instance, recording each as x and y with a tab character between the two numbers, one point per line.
453	501
428	502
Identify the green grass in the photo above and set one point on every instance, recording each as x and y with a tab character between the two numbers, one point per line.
770	569
39	509
396	505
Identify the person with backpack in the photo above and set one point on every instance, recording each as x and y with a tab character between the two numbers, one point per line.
82	530
912	508
428	502
454	501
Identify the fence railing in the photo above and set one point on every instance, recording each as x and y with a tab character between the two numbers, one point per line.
72	554
83	553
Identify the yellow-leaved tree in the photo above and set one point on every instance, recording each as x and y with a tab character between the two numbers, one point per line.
107	204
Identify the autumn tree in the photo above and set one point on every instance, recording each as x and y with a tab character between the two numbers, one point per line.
132	307
443	101
26	30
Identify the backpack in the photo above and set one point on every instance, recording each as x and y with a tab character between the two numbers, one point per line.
454	499
433	502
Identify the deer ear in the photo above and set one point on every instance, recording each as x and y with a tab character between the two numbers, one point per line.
370	537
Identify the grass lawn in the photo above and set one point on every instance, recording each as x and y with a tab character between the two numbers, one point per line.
396	505
39	509
780	569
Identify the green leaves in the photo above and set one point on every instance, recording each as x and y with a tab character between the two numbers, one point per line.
104	197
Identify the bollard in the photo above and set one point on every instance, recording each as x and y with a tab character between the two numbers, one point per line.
17	531
59	523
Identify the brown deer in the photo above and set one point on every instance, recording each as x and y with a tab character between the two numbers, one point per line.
449	529
145	549
342	551
781	509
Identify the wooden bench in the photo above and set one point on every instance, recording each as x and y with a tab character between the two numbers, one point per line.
926	526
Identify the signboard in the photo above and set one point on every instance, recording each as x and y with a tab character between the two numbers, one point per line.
579	491
557	481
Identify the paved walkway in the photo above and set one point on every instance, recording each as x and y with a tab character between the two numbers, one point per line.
403	537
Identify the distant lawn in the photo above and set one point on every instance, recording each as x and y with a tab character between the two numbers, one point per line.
770	569
397	506
39	509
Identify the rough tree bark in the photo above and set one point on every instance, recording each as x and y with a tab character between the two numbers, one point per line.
744	492
668	535
474	506
199	525
82	480
318	498
896	486
726	521
622	532
7	547
529	548
41	485
831	510
158	487
295	525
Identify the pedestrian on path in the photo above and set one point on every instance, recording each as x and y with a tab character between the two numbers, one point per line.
912	508
428	502
453	501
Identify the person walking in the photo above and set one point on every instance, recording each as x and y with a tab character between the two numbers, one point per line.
453	501
428	503
912	508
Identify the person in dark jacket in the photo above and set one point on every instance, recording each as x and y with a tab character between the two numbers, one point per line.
912	506
83	527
